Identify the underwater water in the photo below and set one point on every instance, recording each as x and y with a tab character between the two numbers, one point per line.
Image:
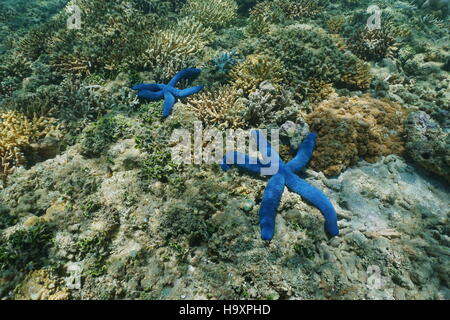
222	149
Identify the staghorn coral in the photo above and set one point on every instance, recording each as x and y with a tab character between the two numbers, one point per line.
319	90
356	74
119	31
350	128
215	13
17	134
255	69
336	24
174	49
221	108
374	44
269	105
278	10
301	8
311	56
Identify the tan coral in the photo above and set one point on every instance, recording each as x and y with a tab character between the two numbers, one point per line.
350	128
39	286
375	44
336	24
17	133
220	108
171	49
358	75
301	8
257	68
217	13
319	90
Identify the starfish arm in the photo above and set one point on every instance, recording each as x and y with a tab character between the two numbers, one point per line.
318	199
241	160
147	86
169	101
185	73
304	153
150	95
187	92
269	206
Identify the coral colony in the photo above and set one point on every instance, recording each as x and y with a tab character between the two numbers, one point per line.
156	92
284	174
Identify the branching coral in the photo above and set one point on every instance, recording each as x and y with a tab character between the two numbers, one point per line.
349	128
305	51
335	24
269	105
375	44
174	49
256	69
215	13
279	10
319	90
220	108
301	8
17	134
356	74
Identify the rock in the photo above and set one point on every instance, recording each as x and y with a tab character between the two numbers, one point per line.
428	144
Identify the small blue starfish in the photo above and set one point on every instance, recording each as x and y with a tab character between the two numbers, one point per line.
155	92
284	174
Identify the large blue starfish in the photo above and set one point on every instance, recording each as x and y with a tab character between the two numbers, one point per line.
168	92
283	174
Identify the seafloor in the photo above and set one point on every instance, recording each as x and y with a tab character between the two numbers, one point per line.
92	206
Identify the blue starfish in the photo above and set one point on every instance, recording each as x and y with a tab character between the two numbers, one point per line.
283	174
169	93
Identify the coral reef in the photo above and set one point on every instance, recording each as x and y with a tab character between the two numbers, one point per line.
176	48
221	108
350	128
97	208
39	286
268	106
169	93
19	136
225	61
283	174
376	44
428	144
215	13
310	55
248	75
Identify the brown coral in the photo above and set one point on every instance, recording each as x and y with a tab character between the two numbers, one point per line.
319	90
336	24
216	14
173	49
255	69
38	285
17	133
301	8
350	128
374	44
357	74
220	108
